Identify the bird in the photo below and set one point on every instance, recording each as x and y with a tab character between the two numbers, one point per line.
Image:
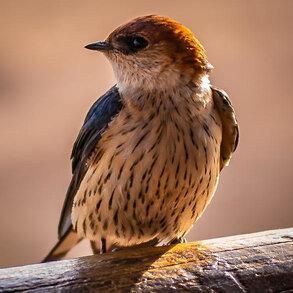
147	160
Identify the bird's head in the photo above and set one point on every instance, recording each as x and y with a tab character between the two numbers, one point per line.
154	52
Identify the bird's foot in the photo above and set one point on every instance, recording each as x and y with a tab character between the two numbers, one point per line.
100	249
95	248
178	240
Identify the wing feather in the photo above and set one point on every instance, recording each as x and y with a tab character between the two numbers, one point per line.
230	132
96	121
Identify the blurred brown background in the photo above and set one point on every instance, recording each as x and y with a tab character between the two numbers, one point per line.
48	82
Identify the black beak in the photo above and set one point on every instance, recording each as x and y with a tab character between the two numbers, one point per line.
99	46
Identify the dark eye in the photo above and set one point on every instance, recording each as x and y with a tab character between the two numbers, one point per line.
132	44
138	42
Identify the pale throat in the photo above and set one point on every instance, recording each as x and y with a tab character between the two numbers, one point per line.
140	91
155	75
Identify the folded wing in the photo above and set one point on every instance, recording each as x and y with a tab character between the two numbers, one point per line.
230	133
96	122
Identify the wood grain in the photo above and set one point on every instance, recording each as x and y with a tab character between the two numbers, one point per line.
259	262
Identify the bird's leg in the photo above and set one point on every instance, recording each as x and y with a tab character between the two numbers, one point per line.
178	240
95	247
100	248
103	245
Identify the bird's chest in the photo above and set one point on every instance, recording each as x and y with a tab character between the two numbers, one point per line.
149	164
170	148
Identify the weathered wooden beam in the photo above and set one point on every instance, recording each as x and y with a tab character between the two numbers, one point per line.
259	262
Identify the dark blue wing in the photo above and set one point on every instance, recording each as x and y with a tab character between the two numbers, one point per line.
96	121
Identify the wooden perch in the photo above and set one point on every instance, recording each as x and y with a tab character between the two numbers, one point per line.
260	262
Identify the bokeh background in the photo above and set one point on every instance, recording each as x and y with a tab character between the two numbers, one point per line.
48	82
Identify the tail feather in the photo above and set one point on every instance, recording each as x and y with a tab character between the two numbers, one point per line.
68	241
